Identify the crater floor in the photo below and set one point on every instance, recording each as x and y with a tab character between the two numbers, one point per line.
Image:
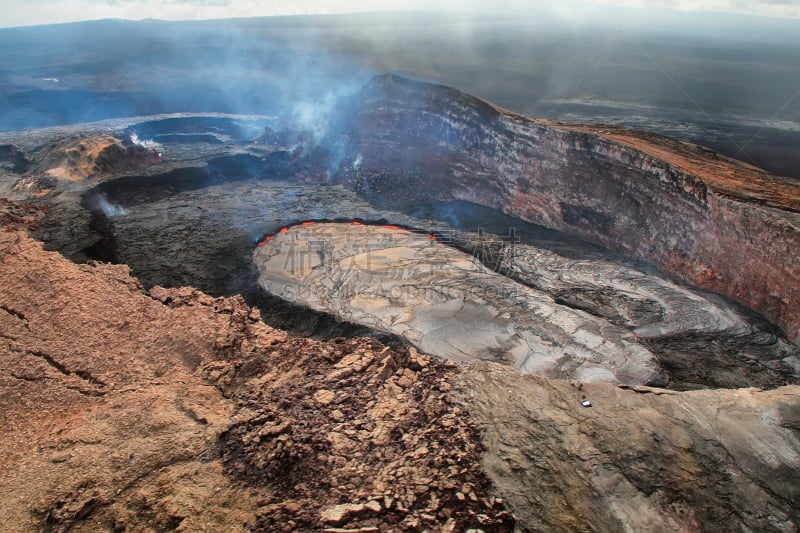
448	303
445	302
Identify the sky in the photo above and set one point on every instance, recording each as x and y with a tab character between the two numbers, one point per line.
33	12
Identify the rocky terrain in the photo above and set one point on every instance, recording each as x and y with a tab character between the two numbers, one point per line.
178	411
710	220
182	412
193	216
448	303
150	383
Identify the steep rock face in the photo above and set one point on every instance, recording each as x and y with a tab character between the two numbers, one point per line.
715	223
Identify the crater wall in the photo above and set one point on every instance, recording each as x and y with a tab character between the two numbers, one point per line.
713	222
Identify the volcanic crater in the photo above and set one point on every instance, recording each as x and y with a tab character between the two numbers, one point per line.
604	273
434	221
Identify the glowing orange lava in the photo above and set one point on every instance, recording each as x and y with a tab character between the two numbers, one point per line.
354	223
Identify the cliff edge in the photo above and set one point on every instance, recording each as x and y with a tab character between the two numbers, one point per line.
712	221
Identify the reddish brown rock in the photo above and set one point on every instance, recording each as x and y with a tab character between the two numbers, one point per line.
89	156
713	221
128	410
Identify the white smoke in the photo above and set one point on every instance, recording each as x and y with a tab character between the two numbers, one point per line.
145	143
312	116
311	112
109	209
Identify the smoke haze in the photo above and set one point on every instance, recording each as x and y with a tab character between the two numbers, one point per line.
727	81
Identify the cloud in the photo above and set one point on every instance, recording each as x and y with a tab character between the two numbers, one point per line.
29	12
201	3
769	8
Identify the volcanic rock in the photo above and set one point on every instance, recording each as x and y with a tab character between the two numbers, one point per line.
444	302
179	411
340	513
129	407
712	221
88	156
655	458
193	217
449	304
12	155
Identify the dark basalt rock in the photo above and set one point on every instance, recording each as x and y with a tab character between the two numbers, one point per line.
10	154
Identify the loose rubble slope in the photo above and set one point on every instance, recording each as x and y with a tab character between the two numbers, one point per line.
172	411
125	410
